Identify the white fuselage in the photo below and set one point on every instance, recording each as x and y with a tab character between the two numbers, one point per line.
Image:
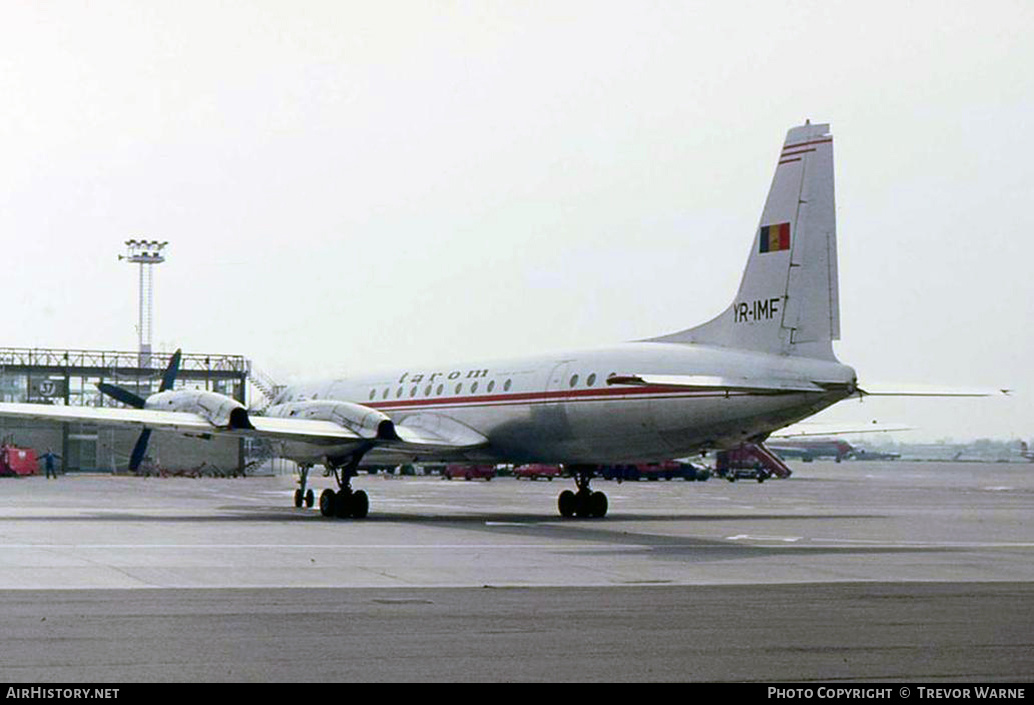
560	409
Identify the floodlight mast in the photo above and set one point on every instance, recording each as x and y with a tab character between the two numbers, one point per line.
145	253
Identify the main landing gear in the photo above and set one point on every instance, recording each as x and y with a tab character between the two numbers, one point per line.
346	502
585	502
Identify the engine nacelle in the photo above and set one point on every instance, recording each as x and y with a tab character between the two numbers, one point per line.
362	420
218	409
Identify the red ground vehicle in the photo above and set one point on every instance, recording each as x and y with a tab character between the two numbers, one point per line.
18	461
469	472
536	471
750	460
669	470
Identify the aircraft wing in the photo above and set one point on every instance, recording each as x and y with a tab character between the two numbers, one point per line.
717	385
419	432
181	422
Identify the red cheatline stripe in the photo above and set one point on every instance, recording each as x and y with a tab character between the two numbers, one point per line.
787	161
524	397
657	392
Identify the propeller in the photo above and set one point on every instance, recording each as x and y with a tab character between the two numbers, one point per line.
134	400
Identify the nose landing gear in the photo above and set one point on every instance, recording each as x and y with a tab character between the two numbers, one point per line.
303	496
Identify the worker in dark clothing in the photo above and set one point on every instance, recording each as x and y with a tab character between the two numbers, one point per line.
48	459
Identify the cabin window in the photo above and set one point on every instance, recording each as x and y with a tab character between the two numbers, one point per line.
385	395
591	380
412	392
574	380
398	394
441	388
473	387
373	393
491	386
506	385
459	388
427	391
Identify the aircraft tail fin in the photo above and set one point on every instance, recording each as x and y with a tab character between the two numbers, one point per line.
788	300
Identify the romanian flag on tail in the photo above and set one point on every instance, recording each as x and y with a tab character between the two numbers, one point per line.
774	238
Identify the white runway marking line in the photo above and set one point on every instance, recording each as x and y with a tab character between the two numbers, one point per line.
279	546
550	545
929	544
886	544
748	537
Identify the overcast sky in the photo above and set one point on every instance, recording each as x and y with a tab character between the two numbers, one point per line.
347	185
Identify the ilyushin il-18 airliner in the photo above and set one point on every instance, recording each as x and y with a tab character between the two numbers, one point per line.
765	362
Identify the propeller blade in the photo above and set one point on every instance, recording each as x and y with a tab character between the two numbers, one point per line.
169	378
123	395
139	450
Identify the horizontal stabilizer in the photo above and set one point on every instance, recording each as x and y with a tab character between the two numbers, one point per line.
912	390
806	429
709	383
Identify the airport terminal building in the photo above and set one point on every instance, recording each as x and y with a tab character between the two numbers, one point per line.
70	377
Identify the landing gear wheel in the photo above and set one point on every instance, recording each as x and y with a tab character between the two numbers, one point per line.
343	505
581	507
310	499
360	504
591	504
298	499
567	504
327	501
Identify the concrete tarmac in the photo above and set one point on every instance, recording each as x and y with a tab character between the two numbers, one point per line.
890	571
